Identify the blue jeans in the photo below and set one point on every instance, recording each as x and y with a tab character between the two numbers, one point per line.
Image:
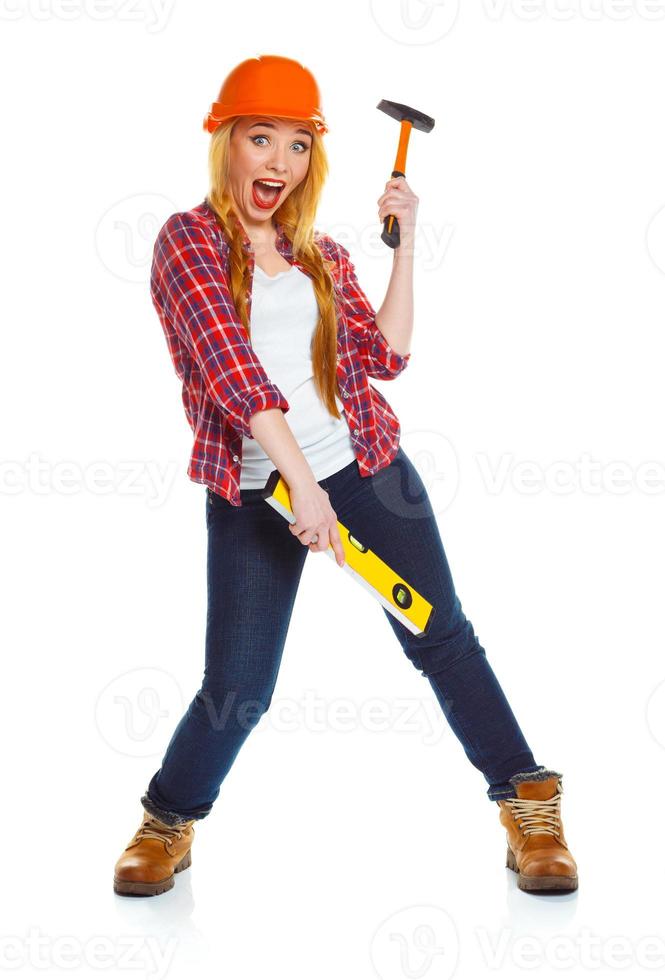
254	564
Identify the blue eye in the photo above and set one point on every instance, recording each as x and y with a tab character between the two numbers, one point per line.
305	146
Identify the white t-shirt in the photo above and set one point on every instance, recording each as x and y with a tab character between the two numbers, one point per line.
283	319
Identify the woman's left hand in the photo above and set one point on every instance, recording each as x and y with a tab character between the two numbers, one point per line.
399	199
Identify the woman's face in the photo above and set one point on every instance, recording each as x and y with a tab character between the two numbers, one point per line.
267	148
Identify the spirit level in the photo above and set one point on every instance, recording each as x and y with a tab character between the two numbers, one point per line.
395	595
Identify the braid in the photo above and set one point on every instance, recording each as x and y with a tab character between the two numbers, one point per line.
238	265
324	340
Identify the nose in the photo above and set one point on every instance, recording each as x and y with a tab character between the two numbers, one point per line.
277	159
278	165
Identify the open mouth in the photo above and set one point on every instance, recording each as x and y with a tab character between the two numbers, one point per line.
266	193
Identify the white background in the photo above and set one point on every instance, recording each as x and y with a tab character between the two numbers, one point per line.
532	406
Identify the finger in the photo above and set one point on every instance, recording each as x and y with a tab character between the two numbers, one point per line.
396	205
300	532
394	198
337	547
320	541
392	207
390	204
297	529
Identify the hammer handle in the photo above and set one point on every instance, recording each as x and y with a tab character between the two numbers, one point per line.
390	233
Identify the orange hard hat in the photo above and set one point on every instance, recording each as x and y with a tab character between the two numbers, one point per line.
268	85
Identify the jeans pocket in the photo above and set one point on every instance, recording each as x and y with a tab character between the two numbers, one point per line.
216	499
215	502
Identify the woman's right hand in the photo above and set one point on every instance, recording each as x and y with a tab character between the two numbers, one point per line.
316	519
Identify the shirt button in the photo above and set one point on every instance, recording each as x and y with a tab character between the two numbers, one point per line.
235	459
356	432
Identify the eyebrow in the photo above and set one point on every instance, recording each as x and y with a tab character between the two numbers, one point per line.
272	126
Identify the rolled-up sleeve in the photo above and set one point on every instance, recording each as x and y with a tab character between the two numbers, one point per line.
188	286
378	357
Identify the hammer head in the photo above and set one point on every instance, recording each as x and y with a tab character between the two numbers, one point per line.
398	111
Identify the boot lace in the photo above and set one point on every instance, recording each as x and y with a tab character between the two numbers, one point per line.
157	830
538	816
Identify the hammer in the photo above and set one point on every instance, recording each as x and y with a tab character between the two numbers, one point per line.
409	119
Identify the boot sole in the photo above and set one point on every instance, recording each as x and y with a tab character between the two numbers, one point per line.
122	887
541	883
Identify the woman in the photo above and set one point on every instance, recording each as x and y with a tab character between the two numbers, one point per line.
274	342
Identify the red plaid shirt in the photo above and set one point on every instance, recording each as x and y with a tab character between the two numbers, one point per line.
223	381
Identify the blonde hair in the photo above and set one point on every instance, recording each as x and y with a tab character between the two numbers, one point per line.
296	214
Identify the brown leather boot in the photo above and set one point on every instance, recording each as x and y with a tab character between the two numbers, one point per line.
156	852
537	848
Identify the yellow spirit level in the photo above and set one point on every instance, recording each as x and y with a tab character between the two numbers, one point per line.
395	595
